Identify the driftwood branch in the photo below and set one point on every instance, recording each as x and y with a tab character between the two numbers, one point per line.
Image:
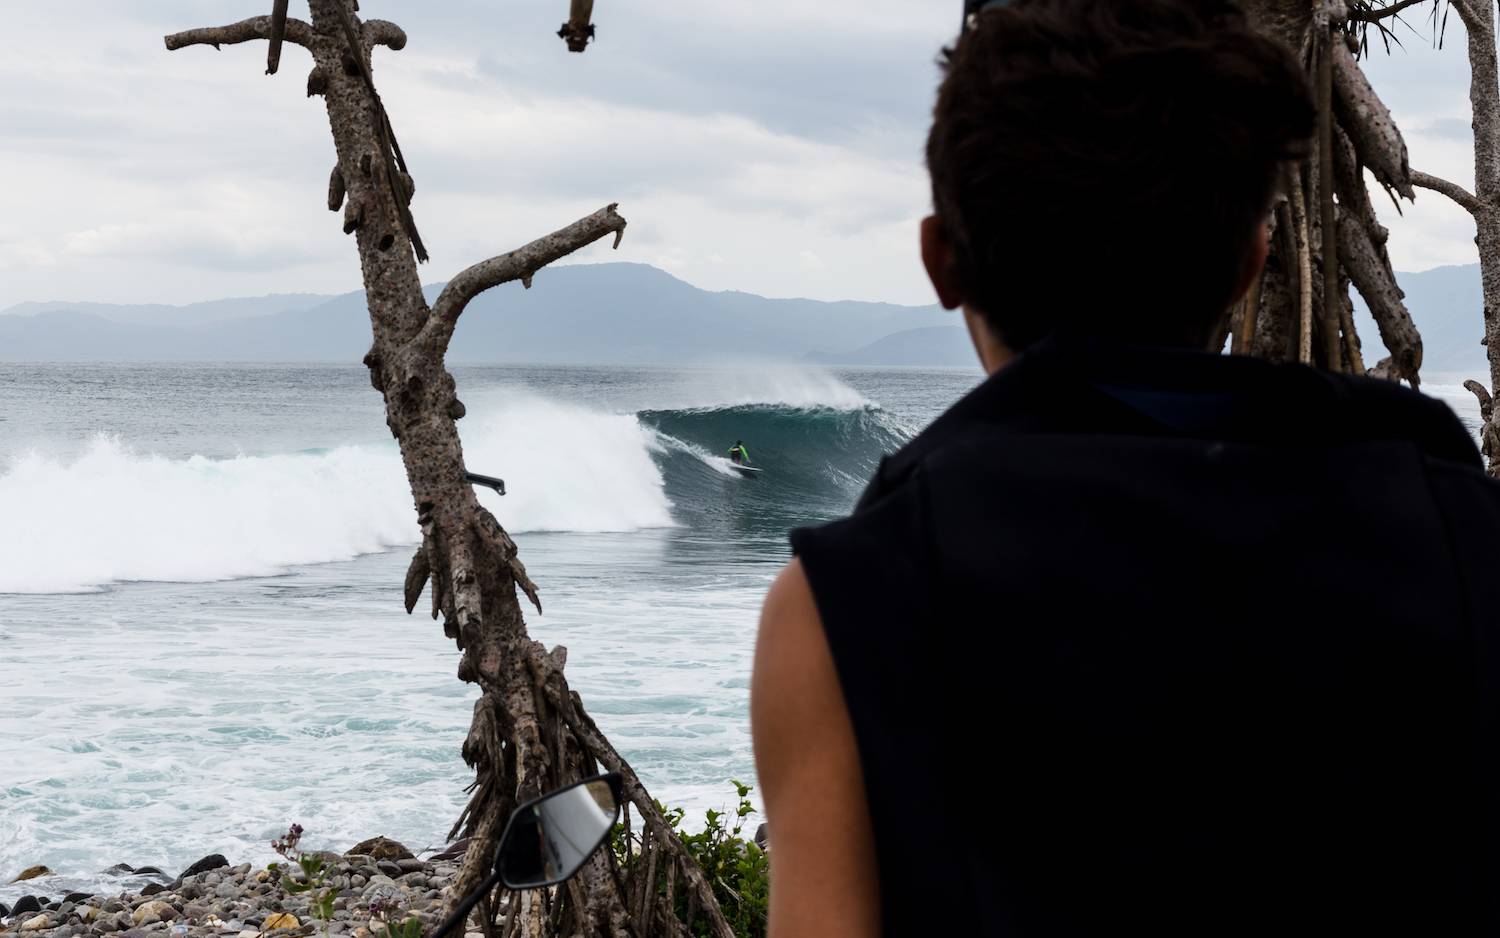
1452	190
521	264
297	33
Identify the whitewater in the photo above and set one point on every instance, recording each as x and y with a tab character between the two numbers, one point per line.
200	606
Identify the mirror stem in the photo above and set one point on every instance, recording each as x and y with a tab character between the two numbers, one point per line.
462	912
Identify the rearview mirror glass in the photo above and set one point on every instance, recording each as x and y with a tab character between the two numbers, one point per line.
548	840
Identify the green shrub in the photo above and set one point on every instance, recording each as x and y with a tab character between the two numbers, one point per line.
736	869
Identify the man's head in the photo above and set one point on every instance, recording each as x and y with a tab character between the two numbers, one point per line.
1104	167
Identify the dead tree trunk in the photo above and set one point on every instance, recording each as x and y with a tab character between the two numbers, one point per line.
1303	301
1484	202
529	731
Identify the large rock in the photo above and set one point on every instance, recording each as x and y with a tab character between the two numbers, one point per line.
77	896
380	848
151	889
121	869
213	861
27	904
156	910
149	871
32	872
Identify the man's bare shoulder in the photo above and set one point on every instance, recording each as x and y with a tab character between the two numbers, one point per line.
824	880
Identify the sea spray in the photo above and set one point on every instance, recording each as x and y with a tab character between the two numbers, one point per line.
114	514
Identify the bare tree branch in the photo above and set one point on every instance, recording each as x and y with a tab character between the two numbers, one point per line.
521	264
1371	16
257	27
1452	190
1300	236
1368	122
1327	222
382	33
278	33
1486	405
1363	263
579	28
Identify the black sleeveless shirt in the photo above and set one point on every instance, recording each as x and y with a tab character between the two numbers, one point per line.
1162	643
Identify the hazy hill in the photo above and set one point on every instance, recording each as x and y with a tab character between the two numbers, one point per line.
582	313
1447	305
156	314
614	313
938	346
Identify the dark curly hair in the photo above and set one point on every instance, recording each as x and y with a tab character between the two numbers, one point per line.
1101	166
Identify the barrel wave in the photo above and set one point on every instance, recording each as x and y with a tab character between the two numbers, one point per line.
114	512
815	462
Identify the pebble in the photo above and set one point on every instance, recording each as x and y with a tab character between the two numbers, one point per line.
154	911
216	900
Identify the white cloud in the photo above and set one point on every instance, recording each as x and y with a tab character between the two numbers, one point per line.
1426	88
741	141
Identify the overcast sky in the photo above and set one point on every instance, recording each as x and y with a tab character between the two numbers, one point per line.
772	146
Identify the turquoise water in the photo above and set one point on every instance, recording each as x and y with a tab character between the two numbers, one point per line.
200	610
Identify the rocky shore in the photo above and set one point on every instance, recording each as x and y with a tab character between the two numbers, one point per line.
375	882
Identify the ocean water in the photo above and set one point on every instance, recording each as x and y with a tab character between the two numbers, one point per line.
201	631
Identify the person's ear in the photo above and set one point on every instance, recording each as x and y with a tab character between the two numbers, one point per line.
937	257
1255	261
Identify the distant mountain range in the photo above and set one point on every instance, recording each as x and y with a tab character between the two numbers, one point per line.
604	313
615	313
936	346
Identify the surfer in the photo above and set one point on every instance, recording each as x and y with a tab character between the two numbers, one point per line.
738	454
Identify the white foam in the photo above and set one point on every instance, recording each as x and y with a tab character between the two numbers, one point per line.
664	442
114	514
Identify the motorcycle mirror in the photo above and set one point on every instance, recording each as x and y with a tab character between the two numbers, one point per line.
548	839
552	837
